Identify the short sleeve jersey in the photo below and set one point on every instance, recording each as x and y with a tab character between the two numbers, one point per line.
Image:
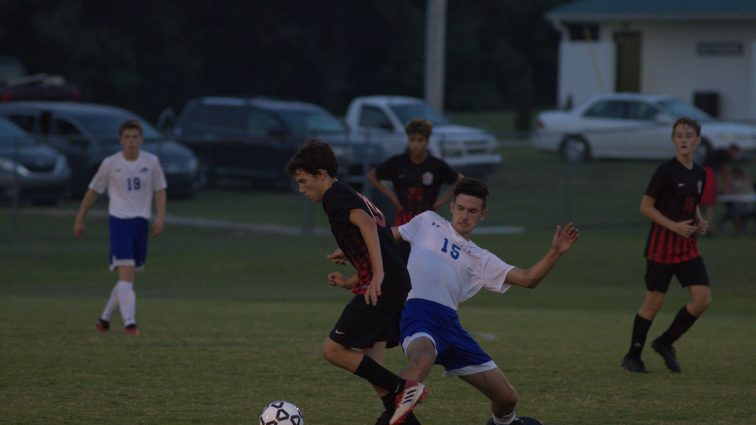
338	202
416	185
129	184
447	268
676	191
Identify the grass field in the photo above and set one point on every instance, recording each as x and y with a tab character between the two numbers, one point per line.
233	319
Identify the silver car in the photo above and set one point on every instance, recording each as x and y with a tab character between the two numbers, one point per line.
632	126
30	171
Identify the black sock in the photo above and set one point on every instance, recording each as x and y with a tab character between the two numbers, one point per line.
379	376
640	331
682	322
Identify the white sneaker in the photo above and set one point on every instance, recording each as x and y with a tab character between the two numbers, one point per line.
413	393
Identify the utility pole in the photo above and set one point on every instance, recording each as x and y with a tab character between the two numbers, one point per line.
435	37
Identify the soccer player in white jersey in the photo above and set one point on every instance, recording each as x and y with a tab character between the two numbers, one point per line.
447	268
132	178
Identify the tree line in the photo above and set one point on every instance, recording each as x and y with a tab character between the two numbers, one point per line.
149	55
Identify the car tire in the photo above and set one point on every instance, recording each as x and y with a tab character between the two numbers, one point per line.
574	149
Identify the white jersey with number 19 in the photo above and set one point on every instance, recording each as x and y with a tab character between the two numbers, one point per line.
447	268
130	184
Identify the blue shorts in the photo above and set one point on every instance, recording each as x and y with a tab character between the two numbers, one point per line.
128	242
456	350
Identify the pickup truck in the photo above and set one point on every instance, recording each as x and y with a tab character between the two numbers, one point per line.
376	132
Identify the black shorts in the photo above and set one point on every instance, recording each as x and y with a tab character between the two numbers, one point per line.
659	275
361	325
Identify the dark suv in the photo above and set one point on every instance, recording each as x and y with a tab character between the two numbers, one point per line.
253	138
86	133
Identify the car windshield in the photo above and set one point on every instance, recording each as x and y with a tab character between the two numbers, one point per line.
303	123
678	109
11	134
409	111
105	127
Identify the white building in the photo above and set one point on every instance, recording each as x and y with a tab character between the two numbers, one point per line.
700	51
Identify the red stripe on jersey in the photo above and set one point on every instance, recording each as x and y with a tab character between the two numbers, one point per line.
668	247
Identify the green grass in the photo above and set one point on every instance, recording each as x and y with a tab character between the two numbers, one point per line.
232	320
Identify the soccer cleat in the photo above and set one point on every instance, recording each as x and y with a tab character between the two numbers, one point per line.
668	354
633	364
102	326
413	393
132	330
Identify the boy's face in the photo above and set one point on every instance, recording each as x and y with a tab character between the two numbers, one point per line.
418	144
685	139
131	139
312	186
467	211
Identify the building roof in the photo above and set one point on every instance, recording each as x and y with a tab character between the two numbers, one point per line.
654	10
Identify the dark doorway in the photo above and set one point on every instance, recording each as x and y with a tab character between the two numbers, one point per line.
628	61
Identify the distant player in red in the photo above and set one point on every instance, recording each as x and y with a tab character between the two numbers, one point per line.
370	321
417	176
671	202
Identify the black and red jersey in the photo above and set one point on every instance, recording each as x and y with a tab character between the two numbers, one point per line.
338	202
677	191
416	185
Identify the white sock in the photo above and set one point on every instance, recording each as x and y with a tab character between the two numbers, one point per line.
111	305
506	420
127	302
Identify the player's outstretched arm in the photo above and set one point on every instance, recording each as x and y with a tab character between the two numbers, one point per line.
563	240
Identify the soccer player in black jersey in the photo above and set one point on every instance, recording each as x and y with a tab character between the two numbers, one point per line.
370	321
671	202
416	175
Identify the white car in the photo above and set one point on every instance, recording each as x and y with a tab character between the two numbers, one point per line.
633	126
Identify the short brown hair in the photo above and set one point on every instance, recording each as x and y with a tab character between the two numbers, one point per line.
690	122
314	155
130	124
419	125
473	187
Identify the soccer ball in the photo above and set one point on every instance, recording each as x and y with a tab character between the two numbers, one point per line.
281	413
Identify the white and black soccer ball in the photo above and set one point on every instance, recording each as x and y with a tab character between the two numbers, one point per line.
281	413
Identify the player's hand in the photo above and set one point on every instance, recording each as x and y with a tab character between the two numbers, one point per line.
337	279
374	289
157	227
78	229
337	257
565	238
703	226
685	228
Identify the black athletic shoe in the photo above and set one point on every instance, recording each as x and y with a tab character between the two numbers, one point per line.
668	354
633	364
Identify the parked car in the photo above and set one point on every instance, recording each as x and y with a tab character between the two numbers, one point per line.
632	126
379	121
86	133
253	138
30	170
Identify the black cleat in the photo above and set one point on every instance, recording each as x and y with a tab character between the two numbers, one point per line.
633	364
668	354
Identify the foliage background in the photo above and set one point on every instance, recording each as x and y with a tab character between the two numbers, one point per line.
146	55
